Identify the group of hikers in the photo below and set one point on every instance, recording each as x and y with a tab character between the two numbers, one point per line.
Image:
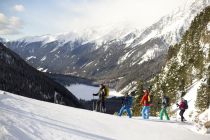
145	102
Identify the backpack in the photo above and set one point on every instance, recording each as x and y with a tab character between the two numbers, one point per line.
150	99
167	101
106	90
128	101
185	104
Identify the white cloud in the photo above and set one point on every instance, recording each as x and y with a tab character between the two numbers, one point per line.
139	13
8	31
10	25
19	8
71	15
15	22
2	18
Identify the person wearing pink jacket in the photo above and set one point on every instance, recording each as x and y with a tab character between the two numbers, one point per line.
182	106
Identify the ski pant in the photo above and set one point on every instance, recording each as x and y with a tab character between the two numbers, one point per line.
123	108
164	112
100	104
181	113
145	112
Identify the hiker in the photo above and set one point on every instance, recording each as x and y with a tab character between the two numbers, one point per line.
182	106
127	103
102	93
145	101
165	104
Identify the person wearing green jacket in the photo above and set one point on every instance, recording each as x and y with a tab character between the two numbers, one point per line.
165	104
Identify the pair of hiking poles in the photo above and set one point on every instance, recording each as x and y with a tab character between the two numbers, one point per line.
95	106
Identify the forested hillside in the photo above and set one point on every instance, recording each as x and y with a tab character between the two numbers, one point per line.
18	77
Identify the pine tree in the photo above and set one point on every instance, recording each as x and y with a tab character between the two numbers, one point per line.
203	98
138	96
185	63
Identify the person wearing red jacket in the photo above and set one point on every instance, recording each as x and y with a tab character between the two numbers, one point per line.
145	101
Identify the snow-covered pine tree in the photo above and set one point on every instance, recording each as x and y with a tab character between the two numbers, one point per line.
203	98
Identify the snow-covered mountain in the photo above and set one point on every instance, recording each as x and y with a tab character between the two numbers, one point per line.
27	119
2	40
120	55
173	26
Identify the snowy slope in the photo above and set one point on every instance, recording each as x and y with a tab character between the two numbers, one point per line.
191	114
27	119
85	92
191	97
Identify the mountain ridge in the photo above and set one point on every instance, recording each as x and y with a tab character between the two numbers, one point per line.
115	56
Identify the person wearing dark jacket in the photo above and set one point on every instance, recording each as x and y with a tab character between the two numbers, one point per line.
164	106
182	107
127	104
100	104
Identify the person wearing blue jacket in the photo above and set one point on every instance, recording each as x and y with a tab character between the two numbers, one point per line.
127	104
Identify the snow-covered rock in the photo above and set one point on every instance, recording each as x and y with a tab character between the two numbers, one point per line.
200	123
208	27
30	57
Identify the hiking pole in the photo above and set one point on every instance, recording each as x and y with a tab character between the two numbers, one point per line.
93	103
177	106
100	107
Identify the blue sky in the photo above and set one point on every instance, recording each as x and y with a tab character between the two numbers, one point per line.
20	18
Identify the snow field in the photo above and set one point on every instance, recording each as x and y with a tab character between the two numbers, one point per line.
28	119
